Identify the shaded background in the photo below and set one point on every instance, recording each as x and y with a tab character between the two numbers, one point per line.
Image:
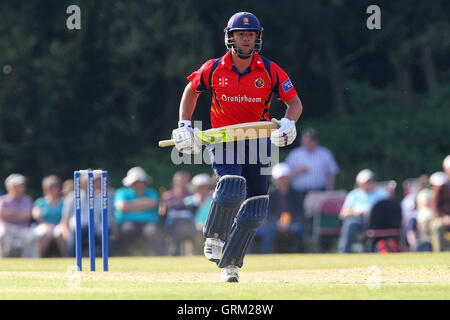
102	96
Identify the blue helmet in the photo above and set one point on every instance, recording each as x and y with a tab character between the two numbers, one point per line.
243	21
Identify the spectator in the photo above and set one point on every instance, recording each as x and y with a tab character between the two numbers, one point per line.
440	204
284	221
446	166
389	186
356	208
66	193
68	220
313	167
67	188
16	236
175	196
179	221
199	205
47	212
425	215
385	225
136	213
409	213
200	201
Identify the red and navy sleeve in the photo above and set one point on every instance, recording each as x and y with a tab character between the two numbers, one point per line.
200	79
282	85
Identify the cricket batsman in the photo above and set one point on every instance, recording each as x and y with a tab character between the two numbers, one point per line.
242	84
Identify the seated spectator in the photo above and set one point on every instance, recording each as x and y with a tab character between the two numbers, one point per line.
425	216
284	223
17	238
136	211
67	188
388	186
446	166
199	204
68	220
356	208
66	193
174	198
47	212
385	223
176	195
179	219
409	214
440	203
200	201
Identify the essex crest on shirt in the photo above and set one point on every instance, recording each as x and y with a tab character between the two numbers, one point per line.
259	83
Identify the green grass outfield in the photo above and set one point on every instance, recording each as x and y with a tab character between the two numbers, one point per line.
278	277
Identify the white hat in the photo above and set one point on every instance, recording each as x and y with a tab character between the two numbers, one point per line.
446	163
280	170
201	179
136	174
438	179
14	179
364	175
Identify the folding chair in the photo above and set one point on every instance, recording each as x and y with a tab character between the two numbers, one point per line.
326	221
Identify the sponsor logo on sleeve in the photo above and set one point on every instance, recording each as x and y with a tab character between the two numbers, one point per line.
287	85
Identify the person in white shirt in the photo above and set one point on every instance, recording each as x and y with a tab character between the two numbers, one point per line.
313	166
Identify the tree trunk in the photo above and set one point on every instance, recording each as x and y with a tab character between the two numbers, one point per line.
338	93
429	70
336	80
403	75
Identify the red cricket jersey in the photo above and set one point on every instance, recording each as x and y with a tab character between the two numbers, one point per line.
240	98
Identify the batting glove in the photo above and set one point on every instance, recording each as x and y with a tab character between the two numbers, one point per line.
185	138
285	134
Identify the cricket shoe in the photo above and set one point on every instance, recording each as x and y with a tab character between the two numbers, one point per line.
230	274
213	249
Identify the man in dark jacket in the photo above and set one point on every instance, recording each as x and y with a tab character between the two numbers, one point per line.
284	224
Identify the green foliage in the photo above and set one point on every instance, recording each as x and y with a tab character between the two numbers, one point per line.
396	144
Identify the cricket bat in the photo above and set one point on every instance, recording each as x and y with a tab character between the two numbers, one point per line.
235	132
